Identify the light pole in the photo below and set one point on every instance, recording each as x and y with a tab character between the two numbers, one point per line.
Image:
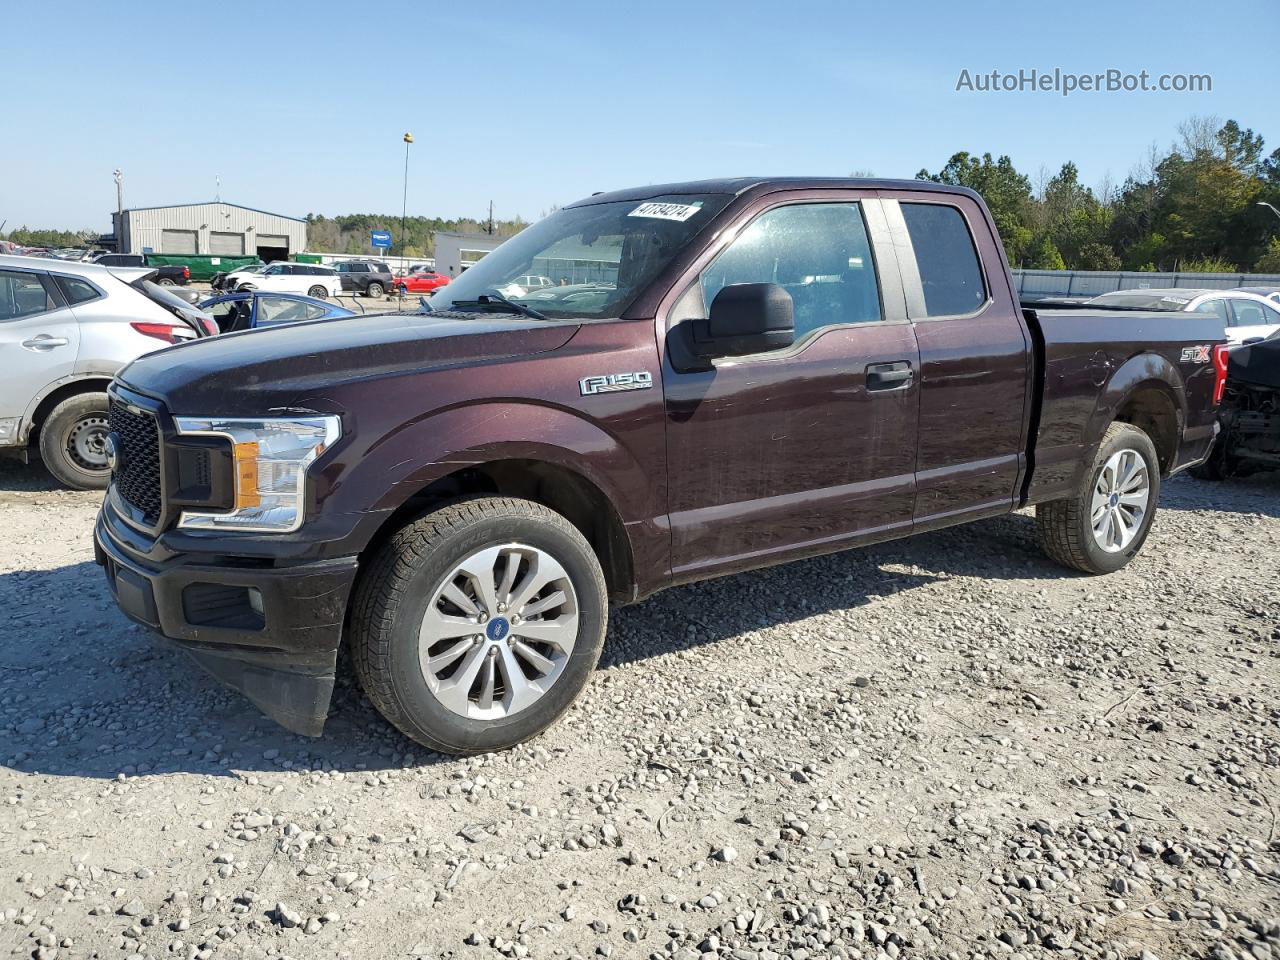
1263	203
404	202
118	175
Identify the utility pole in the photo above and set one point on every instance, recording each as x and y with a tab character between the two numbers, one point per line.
404	201
491	218
118	174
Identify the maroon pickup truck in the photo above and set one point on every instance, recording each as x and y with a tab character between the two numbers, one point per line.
724	375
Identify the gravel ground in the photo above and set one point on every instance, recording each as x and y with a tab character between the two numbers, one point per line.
939	747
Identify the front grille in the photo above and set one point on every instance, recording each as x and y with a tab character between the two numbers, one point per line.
137	478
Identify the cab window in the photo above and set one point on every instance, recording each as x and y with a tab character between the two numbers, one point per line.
818	252
950	272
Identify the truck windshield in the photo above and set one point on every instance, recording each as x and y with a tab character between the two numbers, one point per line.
585	262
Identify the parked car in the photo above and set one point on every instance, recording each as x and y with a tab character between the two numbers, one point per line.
1270	293
775	369
1244	316
164	276
249	310
424	281
66	329
306	278
372	278
219	279
1249	416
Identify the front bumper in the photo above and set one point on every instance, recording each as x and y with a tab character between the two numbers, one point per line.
271	632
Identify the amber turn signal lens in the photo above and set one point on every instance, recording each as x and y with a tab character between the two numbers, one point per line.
246	455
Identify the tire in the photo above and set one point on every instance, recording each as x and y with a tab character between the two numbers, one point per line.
374	290
1065	528
71	442
319	292
165	282
406	582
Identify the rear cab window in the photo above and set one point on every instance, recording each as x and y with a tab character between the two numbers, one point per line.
950	272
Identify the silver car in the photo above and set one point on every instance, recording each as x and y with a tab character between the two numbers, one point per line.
66	328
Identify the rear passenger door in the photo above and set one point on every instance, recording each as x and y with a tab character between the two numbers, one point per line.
39	341
975	358
809	448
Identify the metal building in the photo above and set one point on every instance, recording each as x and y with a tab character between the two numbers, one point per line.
221	229
457	251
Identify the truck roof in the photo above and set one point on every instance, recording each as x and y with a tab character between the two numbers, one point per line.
740	185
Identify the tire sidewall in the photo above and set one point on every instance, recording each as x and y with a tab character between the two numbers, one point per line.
55	432
421	709
318	293
1130	438
368	292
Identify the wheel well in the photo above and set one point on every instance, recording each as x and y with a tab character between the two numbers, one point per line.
90	385
1151	409
568	493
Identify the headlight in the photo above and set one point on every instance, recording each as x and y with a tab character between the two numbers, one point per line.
271	458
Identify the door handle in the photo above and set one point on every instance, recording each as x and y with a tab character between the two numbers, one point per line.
45	342
889	376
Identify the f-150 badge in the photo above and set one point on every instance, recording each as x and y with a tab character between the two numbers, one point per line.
1196	354
615	382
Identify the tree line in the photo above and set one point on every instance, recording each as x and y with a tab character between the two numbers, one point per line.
350	233
1195	206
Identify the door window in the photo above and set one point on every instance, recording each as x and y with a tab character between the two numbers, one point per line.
22	295
818	252
945	255
279	310
1250	314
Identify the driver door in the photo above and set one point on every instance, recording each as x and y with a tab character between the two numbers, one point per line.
810	448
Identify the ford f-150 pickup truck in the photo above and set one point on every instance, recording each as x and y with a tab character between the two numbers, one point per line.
737	373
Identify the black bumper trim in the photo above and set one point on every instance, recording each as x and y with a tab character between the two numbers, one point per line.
287	667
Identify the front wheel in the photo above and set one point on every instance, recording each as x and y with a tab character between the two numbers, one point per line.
476	626
374	290
1103	526
73	442
319	292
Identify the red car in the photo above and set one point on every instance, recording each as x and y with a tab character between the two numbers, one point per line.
424	281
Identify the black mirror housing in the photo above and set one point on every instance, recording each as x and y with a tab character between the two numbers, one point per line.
746	318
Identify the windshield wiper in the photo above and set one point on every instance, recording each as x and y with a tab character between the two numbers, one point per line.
494	298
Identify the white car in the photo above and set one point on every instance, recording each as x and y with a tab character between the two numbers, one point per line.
66	329
1245	316
309	279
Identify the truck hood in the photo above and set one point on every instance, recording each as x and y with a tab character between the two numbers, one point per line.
255	371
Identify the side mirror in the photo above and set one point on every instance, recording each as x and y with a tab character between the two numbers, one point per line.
746	318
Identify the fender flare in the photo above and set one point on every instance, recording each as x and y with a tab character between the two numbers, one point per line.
1137	373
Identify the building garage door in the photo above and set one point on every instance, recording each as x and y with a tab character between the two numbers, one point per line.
177	241
267	240
226	244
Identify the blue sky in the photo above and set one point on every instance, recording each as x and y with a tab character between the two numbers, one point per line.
530	105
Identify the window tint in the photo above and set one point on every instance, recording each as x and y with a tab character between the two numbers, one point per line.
817	252
1218	307
22	295
77	290
315	312
948	263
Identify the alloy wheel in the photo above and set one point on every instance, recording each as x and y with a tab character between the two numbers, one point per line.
498	631
1121	498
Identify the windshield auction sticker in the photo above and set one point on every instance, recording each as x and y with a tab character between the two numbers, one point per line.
666	211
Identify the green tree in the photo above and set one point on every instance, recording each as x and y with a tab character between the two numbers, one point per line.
1045	256
1006	191
1269	262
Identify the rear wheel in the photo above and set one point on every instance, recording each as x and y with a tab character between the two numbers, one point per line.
476	626
1104	525
319	292
165	282
73	442
374	290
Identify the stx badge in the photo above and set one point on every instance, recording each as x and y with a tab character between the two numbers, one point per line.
1196	354
615	382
